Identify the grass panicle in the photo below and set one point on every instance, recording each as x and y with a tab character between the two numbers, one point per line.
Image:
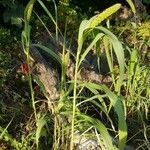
96	20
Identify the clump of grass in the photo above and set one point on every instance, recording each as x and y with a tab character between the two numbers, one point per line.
136	82
68	106
62	123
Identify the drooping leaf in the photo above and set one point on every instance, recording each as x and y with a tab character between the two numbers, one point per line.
119	107
49	51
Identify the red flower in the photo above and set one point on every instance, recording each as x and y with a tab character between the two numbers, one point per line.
24	68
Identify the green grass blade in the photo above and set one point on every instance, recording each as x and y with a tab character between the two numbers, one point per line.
98	37
41	122
107	45
118	49
50	16
101	128
48	50
131	5
132	65
82	28
117	103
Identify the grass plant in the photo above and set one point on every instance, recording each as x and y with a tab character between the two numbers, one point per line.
64	122
75	115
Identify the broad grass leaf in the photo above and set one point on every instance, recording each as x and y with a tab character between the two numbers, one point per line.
82	28
98	37
117	103
48	50
118	49
132	65
101	128
107	45
41	122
